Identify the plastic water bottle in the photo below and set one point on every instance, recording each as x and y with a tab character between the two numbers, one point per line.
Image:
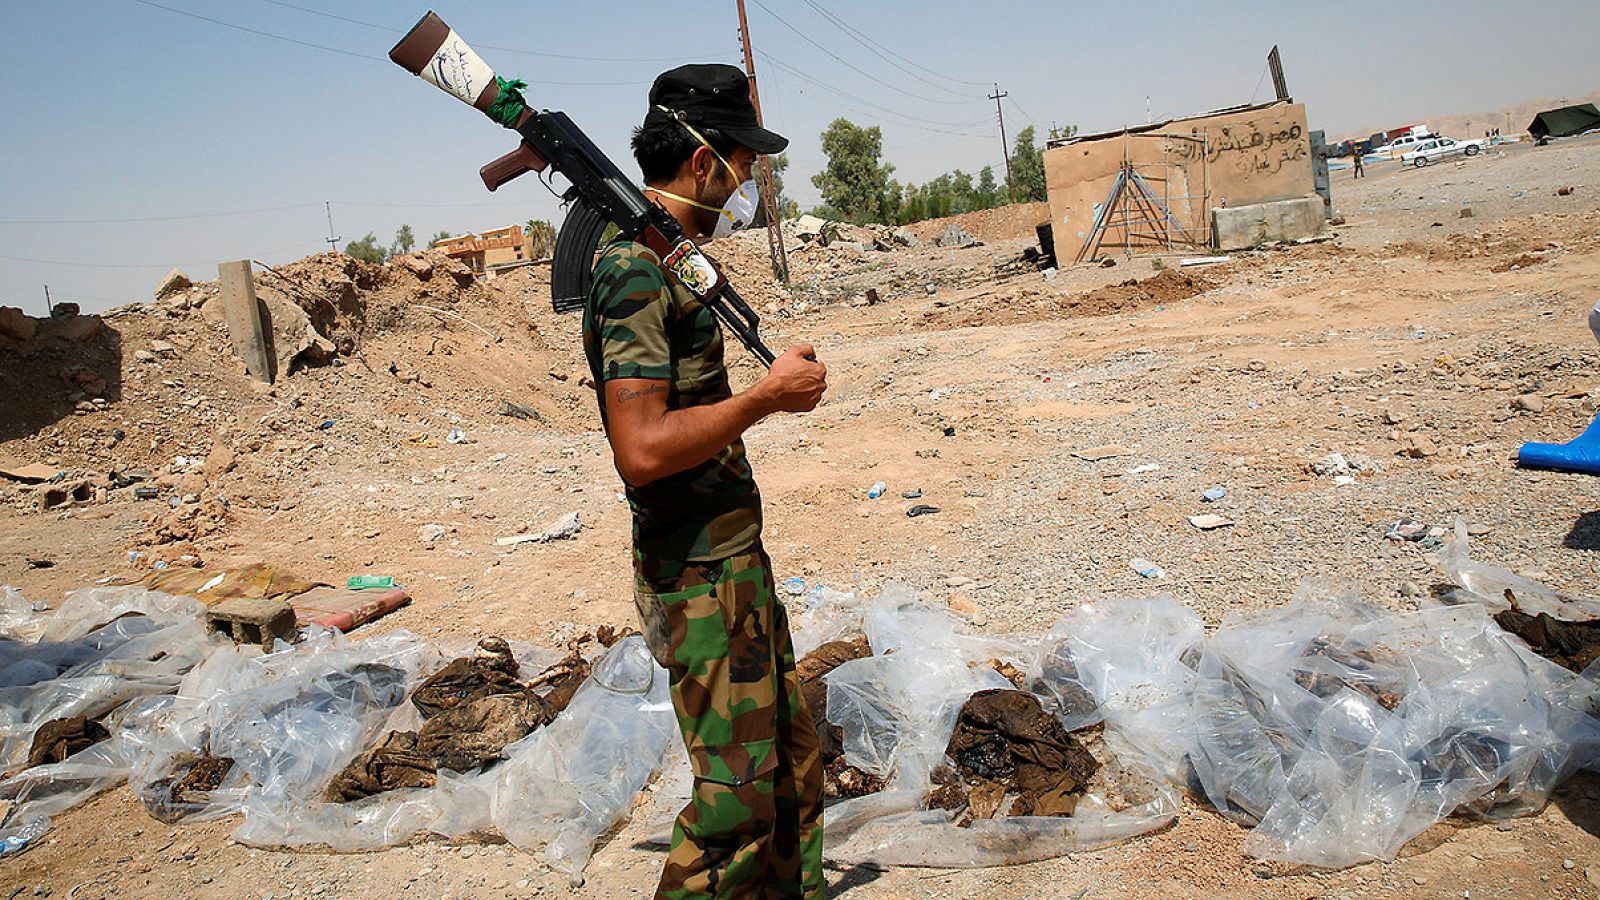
15	840
876	490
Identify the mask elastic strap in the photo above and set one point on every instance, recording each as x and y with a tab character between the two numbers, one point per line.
695	203
683	120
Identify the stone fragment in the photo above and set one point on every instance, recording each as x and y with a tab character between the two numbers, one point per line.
1532	403
175	282
17	325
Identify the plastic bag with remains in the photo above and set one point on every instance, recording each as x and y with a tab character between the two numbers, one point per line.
1343	730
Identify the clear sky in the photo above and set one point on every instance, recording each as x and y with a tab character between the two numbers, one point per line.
211	143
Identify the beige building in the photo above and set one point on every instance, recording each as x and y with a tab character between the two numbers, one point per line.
493	249
1172	176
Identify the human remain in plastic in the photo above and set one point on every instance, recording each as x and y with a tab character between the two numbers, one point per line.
703	584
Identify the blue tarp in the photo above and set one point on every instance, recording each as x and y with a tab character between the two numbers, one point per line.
1581	454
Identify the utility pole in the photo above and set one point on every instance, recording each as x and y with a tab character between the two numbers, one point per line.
1005	148
769	201
333	242
49	308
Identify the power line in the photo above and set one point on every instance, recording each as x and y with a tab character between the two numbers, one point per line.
165	265
255	31
796	72
392	30
129	219
1025	115
874	43
874	49
852	66
343	52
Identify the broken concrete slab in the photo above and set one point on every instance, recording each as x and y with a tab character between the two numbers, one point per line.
955	236
1243	227
74	329
27	473
175	282
253	620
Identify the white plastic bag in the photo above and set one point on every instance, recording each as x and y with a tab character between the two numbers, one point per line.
1487	585
898	709
568	783
1343	730
1130	663
92	673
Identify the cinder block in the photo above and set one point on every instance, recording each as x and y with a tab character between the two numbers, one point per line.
1243	227
251	620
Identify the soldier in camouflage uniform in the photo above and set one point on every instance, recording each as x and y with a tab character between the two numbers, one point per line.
703	583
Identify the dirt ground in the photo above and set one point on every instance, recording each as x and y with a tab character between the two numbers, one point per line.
1434	331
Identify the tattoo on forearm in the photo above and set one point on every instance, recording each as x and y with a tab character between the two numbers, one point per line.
624	395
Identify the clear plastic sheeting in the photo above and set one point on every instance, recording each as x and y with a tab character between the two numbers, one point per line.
898	709
457	805
1130	663
568	783
829	615
929	838
287	721
99	651
1342	730
18	619
1488	585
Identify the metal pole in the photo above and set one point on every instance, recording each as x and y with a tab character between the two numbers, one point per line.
333	242
769	201
1005	148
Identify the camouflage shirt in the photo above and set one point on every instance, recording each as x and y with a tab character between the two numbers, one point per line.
636	324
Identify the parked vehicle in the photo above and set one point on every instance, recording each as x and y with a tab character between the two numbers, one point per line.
1405	143
1437	148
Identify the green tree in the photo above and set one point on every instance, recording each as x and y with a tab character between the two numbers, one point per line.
541	238
988	192
1027	168
962	192
367	250
438	237
1063	132
404	240
854	181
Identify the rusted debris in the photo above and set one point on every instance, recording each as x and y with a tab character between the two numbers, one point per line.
472	709
1006	747
1571	645
173	798
1358	670
60	738
839	779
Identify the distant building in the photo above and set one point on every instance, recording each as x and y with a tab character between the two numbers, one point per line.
1182	184
496	248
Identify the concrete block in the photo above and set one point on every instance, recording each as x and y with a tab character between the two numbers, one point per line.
1243	227
253	620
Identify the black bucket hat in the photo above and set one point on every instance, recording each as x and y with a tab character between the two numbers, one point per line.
712	95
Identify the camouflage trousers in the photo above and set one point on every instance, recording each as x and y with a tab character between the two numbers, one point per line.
753	826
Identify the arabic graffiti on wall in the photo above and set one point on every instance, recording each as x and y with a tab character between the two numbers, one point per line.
1248	148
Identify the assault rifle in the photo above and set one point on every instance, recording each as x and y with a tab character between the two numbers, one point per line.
600	194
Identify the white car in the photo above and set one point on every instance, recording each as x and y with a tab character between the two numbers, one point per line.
1437	148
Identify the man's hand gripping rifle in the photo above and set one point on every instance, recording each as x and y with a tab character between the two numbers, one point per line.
600	193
